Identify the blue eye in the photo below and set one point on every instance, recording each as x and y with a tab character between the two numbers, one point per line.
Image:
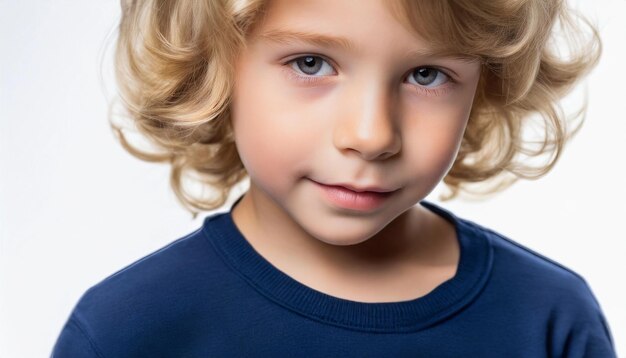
427	76
314	69
310	65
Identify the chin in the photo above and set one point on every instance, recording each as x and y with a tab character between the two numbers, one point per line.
340	235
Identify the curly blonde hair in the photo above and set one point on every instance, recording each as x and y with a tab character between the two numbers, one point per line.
174	68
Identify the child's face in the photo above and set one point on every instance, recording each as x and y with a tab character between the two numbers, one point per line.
378	114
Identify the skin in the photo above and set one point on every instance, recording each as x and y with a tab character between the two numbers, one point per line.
363	118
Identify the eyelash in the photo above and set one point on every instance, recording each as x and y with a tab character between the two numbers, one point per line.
309	79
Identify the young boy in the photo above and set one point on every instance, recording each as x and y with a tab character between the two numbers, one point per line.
344	115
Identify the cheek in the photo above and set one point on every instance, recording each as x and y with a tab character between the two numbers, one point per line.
434	134
255	146
270	143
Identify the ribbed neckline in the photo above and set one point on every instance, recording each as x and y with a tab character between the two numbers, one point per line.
402	316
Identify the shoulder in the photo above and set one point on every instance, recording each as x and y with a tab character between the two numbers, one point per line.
168	263
551	293
529	267
510	257
163	270
158	291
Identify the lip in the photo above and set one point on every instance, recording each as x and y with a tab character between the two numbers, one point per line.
350	197
364	189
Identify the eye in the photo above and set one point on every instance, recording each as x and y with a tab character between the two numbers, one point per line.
310	65
429	77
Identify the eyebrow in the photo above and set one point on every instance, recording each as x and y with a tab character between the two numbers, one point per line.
289	36
282	36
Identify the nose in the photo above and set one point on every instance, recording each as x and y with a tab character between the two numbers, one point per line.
366	124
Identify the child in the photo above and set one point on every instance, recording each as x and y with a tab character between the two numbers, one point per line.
344	115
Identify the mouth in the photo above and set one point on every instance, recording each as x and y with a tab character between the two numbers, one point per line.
350	197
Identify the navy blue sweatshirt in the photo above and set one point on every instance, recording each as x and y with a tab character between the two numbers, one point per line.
210	294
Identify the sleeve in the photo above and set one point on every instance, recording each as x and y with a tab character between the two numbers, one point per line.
74	341
588	334
590	342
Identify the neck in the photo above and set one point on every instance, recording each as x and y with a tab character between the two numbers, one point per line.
407	259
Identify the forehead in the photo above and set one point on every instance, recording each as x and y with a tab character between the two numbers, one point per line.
347	25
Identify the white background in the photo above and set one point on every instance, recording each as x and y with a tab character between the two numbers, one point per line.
75	207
